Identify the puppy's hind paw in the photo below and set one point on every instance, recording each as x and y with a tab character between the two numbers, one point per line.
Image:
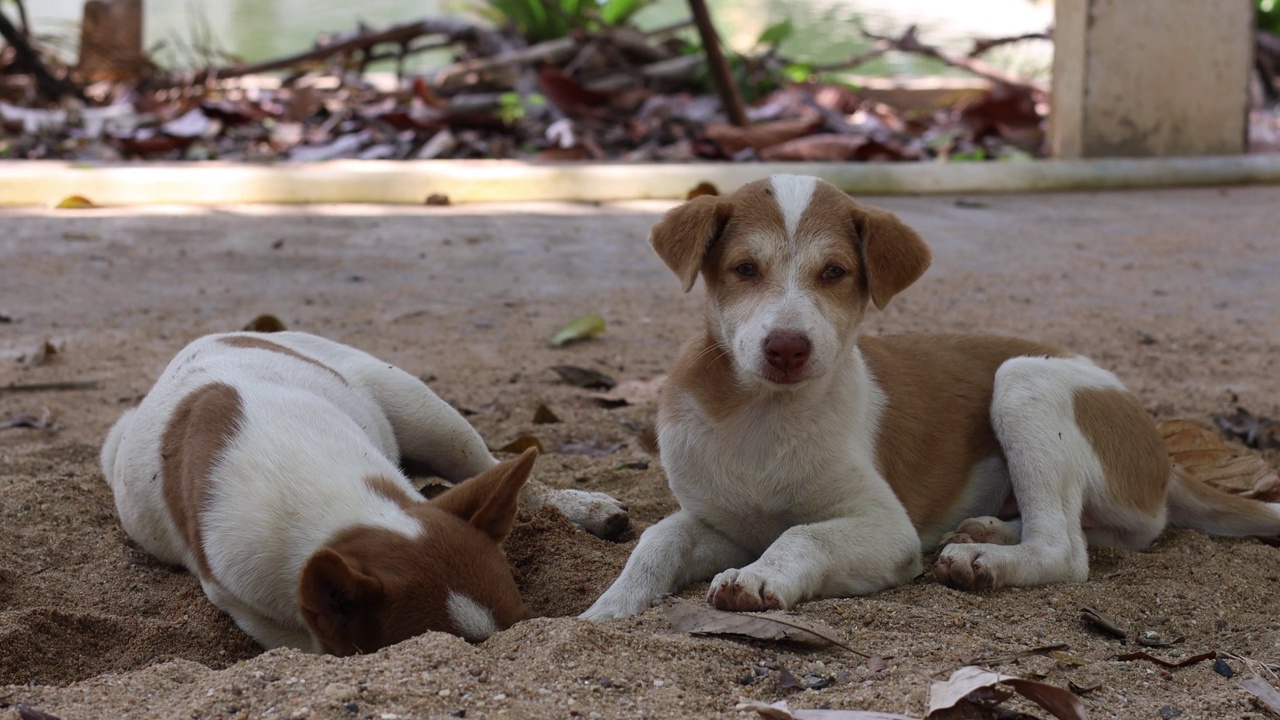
599	514
742	591
983	530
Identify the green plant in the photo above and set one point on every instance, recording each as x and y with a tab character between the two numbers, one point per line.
1269	15
511	106
539	20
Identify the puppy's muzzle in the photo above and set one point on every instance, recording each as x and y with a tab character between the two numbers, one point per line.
787	353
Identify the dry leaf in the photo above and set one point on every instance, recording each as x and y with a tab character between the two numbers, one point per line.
30	713
732	139
631	392
1252	430
1262	690
1106	624
584	377
591	448
265	323
780	711
439	199
75	202
30	420
542	415
876	664
1060	702
1211	655
1199	455
579	329
699	619
1067	658
43	354
520	444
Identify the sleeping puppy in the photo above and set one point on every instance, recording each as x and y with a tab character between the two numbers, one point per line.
267	465
809	462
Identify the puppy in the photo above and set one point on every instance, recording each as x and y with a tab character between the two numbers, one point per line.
810	462
267	466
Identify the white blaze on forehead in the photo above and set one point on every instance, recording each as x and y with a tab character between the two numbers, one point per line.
793	193
473	620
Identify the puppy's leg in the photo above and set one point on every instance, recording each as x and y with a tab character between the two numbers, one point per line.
836	558
268	633
679	550
1051	466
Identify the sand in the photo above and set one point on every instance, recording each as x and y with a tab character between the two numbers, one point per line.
1175	291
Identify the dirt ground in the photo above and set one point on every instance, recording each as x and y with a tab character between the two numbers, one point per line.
1176	291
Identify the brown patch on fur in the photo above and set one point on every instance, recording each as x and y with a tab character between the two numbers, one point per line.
704	370
937	424
201	427
248	341
391	490
1128	445
371	587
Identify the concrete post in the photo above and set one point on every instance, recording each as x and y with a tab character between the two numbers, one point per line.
1138	78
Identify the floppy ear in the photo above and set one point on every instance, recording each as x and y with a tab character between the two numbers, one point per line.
681	238
488	501
894	254
336	601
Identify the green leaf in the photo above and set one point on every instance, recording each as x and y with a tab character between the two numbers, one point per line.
776	34
580	329
798	72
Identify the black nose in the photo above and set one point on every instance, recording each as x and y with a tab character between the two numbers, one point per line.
787	350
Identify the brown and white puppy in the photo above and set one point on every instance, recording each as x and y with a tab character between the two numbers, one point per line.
267	465
811	462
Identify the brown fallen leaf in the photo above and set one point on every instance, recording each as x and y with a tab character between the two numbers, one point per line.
1059	702
1096	617
30	420
265	323
1262	690
47	387
631	392
438	199
1211	655
29	713
520	444
1200	455
781	711
591	448
43	354
542	415
732	139
876	664
699	619
584	377
75	202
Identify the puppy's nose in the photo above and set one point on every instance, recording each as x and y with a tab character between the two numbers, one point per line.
786	350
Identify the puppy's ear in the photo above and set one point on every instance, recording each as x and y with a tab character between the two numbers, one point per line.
681	238
337	602
894	255
488	501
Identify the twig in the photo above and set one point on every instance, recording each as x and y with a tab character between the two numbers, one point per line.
50	85
720	74
982	45
22	17
908	42
46	387
455	30
879	48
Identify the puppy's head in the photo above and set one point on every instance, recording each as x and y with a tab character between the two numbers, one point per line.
371	587
790	264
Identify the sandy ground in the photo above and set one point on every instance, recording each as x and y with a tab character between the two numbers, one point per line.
1176	291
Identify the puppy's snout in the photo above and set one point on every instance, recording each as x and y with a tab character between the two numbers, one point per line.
787	350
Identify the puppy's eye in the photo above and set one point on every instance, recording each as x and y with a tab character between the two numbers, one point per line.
833	272
747	270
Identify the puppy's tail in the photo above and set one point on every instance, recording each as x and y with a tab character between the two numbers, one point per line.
1200	506
111	448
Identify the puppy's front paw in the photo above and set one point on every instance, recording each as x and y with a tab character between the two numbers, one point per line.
613	605
962	566
743	591
601	515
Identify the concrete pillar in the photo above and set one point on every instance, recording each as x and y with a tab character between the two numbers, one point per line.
1138	78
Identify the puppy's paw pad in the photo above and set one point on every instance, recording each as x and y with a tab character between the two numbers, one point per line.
964	567
742	591
955	538
599	514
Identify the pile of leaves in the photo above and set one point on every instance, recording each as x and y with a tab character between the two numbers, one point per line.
601	90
